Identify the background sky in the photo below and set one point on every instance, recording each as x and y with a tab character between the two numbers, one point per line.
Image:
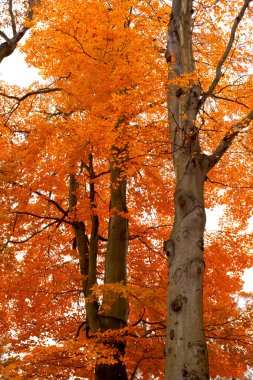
14	70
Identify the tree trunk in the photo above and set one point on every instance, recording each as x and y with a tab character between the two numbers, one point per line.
116	256
116	314
87	249
115	267
116	371
186	352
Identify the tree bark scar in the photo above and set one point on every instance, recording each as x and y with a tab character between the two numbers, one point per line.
196	265
168	57
184	372
197	208
200	244
181	200
177	303
179	92
185	234
169	247
172	333
189	375
178	274
200	211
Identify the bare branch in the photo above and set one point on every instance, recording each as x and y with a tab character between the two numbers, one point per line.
53	202
140	319
42	217
21	98
80	45
5	37
13	22
35	92
31	236
102	173
79	329
229	186
229	100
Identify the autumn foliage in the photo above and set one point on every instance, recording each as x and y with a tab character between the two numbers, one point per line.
102	106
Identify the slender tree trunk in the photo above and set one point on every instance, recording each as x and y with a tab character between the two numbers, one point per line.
116	262
116	315
115	371
186	352
87	249
116	256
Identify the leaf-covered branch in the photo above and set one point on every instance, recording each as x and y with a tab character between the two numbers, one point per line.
228	139
225	54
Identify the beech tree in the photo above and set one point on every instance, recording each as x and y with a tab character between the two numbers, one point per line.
89	166
186	351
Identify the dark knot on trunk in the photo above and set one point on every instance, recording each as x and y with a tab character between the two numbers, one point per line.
178	302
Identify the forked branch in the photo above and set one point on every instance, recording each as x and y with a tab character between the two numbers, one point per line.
10	44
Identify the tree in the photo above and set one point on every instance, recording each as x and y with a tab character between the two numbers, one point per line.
94	163
186	351
90	147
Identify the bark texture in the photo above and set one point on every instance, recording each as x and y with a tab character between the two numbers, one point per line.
185	347
186	352
116	315
116	262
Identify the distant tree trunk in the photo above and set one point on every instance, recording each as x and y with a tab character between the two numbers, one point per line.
116	263
186	352
116	259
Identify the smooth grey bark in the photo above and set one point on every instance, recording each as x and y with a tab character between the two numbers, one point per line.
116	263
87	250
186	351
116	256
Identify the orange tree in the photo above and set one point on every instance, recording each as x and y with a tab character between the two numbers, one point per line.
87	192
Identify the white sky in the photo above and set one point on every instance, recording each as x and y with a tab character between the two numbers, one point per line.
14	70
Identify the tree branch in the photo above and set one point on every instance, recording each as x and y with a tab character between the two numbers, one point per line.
53	202
79	329
229	100
227	140
13	22
225	54
31	236
42	217
5	37
229	186
8	47
35	92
